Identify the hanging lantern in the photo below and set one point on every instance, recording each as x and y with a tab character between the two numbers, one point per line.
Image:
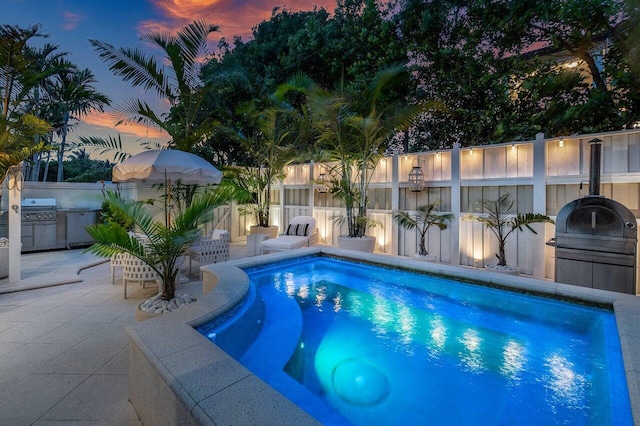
321	184
416	179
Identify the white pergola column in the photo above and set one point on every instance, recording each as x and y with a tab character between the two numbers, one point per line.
14	185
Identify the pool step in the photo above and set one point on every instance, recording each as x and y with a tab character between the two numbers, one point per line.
280	333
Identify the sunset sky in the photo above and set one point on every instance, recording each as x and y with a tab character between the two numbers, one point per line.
70	23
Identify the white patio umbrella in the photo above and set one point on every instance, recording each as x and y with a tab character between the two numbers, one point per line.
166	165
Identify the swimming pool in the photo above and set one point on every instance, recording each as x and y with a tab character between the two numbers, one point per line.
357	343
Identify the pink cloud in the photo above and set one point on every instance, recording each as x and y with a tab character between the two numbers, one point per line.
105	120
70	20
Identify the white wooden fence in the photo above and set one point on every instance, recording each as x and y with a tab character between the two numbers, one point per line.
541	175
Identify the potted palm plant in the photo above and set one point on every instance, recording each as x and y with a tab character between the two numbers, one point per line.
163	245
422	221
352	136
271	152
501	225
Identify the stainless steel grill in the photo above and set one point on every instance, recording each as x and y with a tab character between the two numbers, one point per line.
40	227
596	239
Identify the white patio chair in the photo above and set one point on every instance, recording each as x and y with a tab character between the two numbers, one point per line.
116	262
301	232
134	269
212	248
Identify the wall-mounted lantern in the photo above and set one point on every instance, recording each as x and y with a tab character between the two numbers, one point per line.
416	177
321	184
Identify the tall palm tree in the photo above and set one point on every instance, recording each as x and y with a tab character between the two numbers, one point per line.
270	149
70	96
46	62
353	133
178	82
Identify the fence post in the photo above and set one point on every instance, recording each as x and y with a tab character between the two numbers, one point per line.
395	202
539	202
312	191
455	204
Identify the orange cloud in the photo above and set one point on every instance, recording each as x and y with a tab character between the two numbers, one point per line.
105	120
71	20
234	18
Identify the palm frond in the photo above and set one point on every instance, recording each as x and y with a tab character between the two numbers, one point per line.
106	145
192	39
134	66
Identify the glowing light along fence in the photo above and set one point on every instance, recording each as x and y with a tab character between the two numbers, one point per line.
541	175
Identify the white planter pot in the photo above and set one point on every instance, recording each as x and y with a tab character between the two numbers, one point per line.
508	269
271	231
142	315
427	258
365	244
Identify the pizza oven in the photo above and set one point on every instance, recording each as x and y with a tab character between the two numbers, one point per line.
596	239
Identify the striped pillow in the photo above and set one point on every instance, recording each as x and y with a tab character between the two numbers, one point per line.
292	230
302	229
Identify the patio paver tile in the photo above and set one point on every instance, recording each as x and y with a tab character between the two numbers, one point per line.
83	358
119	364
97	398
26	401
28	332
29	357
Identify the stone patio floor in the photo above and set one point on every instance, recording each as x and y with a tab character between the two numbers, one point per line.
63	348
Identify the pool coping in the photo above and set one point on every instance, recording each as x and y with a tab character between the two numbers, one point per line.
165	386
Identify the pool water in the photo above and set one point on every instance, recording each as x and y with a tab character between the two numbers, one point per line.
358	344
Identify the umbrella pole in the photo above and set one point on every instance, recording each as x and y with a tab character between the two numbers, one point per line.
167	202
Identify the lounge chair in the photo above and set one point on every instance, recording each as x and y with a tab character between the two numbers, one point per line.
301	232
212	248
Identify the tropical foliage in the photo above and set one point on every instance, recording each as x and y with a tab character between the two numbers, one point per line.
500	222
492	65
175	78
19	77
161	246
424	218
352	136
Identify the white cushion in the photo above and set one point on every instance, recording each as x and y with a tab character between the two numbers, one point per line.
285	242
301	220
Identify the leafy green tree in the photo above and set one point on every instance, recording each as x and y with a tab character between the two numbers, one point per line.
18	76
16	140
342	52
177	82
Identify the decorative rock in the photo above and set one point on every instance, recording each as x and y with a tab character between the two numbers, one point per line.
156	305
